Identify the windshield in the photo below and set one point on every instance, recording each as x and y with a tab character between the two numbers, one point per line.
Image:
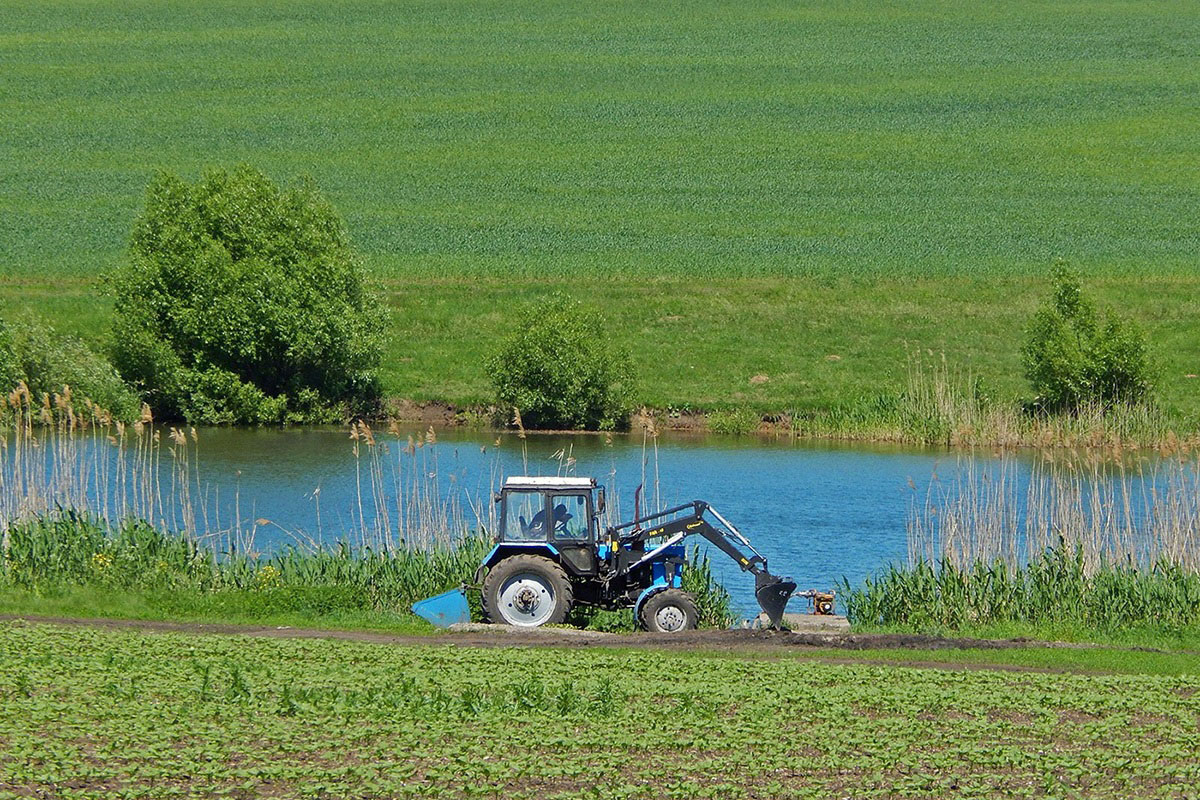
570	516
525	519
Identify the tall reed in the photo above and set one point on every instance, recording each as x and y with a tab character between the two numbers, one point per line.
85	499
1102	543
941	405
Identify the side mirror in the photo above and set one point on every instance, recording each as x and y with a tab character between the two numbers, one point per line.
496	497
600	500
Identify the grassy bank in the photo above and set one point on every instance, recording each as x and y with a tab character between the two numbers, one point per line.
746	190
76	566
304	608
88	713
71	565
836	353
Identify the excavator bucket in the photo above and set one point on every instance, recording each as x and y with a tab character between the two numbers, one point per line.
773	594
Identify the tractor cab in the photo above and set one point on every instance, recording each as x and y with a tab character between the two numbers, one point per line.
555	514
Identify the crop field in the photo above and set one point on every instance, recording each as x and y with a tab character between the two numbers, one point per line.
93	713
746	188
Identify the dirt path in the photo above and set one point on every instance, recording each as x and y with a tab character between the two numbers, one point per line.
748	642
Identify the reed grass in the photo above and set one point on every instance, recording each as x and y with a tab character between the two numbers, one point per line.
1096	543
86	501
69	549
946	406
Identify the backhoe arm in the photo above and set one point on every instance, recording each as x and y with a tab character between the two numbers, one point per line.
771	592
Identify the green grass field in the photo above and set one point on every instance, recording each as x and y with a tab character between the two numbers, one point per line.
99	714
743	188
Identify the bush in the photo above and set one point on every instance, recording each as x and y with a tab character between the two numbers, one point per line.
1074	360
559	370
244	303
33	352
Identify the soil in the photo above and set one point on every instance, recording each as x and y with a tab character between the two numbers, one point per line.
744	641
442	415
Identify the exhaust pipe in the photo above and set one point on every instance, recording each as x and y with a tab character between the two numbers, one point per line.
772	595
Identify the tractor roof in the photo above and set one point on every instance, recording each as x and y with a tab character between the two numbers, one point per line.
529	482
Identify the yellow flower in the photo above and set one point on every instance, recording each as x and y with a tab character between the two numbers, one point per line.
101	561
267	577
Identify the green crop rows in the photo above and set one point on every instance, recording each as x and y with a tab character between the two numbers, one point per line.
694	137
743	188
95	714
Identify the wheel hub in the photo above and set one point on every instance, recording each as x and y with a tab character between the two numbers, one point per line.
527	600
670	619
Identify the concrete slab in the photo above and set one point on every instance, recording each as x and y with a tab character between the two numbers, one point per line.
806	623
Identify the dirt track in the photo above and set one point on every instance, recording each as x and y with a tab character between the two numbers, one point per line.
749	642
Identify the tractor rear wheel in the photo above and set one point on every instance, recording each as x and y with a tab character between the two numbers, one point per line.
526	591
669	611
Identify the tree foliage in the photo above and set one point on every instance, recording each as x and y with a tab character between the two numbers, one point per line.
1074	358
243	303
47	361
560	371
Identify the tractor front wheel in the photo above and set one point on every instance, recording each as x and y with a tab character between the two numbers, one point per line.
526	591
669	611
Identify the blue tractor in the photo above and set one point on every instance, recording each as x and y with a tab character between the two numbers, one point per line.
553	552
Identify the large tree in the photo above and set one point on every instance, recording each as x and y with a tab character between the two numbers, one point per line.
244	303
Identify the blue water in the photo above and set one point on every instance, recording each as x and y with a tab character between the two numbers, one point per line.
817	512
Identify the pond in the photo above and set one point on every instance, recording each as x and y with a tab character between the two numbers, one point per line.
818	512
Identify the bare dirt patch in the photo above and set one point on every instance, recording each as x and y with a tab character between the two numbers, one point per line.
763	643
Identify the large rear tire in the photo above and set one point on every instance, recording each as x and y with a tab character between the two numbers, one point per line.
526	591
669	611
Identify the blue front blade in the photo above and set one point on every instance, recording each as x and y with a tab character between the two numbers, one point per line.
445	609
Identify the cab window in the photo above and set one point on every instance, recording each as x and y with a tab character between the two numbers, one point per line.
570	514
525	517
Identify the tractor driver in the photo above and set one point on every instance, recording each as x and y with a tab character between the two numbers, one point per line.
536	529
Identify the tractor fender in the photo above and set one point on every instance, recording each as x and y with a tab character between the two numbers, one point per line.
666	576
505	549
646	594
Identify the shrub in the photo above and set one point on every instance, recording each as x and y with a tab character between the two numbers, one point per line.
559	370
1074	360
33	352
244	303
